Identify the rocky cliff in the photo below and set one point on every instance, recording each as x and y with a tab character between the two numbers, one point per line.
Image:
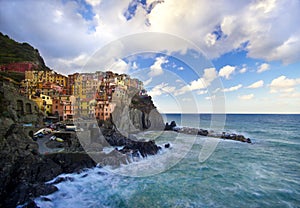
139	114
23	170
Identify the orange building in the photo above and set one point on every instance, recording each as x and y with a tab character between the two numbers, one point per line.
58	108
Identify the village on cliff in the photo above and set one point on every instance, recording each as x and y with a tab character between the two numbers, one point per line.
62	98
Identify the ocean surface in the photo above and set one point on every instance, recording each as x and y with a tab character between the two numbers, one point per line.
265	173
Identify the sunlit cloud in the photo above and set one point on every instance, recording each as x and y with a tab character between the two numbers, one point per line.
283	84
234	88
246	97
257	84
226	71
263	67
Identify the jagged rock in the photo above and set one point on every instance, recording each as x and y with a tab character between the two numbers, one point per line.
72	162
203	132
171	126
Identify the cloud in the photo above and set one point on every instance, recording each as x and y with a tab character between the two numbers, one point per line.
147	82
64	30
257	84
266	29
134	65
263	67
246	97
202	92
120	66
93	2
243	70
161	89
209	75
226	71
156	69
283	84
234	88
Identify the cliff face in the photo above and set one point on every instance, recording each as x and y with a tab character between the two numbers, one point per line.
138	115
23	170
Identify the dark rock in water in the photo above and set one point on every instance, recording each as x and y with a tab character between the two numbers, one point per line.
171	126
62	179
84	176
202	132
30	204
144	148
167	145
45	199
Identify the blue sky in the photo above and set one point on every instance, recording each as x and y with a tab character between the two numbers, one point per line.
227	56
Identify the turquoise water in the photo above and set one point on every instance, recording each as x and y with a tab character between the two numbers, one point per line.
263	174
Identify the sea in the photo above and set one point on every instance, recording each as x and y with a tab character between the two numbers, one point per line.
198	171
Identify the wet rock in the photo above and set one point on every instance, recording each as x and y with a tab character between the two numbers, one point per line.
62	179
171	126
144	148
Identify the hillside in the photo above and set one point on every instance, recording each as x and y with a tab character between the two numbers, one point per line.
13	52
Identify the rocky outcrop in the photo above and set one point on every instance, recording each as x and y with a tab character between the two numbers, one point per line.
204	132
139	115
23	171
131	145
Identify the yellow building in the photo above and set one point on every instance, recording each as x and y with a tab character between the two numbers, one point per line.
47	103
37	78
61	80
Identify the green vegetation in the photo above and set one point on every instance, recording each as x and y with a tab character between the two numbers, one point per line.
12	52
16	76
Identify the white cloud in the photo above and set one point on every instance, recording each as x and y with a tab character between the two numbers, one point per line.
147	82
257	84
134	65
283	84
246	97
226	71
202	92
243	70
209	75
93	2
120	66
263	67
269	28
160	89
234	88
156	69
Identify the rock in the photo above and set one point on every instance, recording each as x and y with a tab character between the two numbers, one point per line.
62	179
72	162
144	148
202	132
171	126
30	204
167	145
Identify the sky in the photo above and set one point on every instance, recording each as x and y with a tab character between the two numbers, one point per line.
222	56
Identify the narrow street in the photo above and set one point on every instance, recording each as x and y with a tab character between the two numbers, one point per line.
43	149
